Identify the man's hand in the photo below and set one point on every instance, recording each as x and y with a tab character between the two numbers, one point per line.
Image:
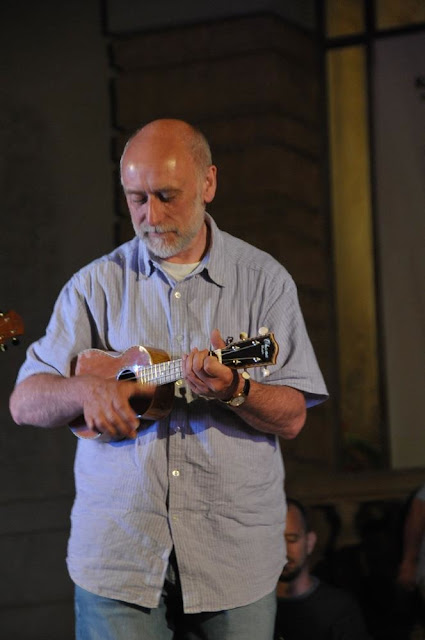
47	400
275	409
106	405
206	376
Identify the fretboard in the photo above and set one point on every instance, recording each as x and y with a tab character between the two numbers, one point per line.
161	373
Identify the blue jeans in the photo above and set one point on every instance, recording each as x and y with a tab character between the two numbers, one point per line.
99	618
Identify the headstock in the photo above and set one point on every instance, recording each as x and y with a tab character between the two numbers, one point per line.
11	327
253	352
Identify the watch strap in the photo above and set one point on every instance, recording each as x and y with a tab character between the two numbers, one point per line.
242	394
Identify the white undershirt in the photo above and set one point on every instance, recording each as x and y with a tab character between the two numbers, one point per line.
178	271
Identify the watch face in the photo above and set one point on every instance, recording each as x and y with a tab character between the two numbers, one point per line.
236	402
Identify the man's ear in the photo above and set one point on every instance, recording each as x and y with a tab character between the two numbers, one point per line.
311	541
210	184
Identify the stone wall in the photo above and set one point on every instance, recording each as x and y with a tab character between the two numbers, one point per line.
57	214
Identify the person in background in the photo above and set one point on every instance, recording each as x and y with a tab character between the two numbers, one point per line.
411	571
411	574
308	608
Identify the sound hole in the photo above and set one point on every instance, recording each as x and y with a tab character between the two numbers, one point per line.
140	404
126	374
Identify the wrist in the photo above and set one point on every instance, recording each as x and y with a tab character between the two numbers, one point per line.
240	392
234	387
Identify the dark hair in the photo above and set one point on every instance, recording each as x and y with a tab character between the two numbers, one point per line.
303	511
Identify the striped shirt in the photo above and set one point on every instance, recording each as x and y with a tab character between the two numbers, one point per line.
201	480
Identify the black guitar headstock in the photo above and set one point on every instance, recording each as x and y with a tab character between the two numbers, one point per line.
252	352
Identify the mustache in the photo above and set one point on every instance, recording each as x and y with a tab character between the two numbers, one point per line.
147	228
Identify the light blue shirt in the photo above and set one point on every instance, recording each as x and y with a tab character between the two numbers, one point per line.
201	479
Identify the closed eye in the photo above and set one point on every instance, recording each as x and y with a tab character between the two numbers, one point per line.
291	538
138	198
164	197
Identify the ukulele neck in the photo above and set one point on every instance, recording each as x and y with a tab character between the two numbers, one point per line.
161	373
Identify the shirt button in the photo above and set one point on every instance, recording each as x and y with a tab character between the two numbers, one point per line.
176	473
177	294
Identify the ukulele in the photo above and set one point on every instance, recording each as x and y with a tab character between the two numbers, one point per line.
11	327
145	365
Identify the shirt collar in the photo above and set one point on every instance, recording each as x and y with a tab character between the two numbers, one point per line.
214	260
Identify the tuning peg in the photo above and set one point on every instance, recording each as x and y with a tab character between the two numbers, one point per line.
265	371
243	335
262	331
15	341
3	347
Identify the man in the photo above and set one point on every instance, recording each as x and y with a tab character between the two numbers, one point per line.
306	607
411	572
412	567
176	524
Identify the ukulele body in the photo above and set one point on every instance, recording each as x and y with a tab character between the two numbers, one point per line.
124	366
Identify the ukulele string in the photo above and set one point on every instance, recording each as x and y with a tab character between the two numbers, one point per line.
159	373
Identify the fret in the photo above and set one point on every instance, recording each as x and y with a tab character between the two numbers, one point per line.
160	373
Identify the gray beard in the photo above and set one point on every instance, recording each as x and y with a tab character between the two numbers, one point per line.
162	249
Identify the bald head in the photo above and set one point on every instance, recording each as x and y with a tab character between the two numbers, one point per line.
172	134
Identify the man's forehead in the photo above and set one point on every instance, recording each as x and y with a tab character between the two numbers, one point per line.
133	166
294	519
176	163
136	178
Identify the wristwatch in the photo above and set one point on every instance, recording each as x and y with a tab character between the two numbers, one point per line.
240	398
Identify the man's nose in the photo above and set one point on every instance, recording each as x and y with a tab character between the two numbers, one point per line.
153	212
